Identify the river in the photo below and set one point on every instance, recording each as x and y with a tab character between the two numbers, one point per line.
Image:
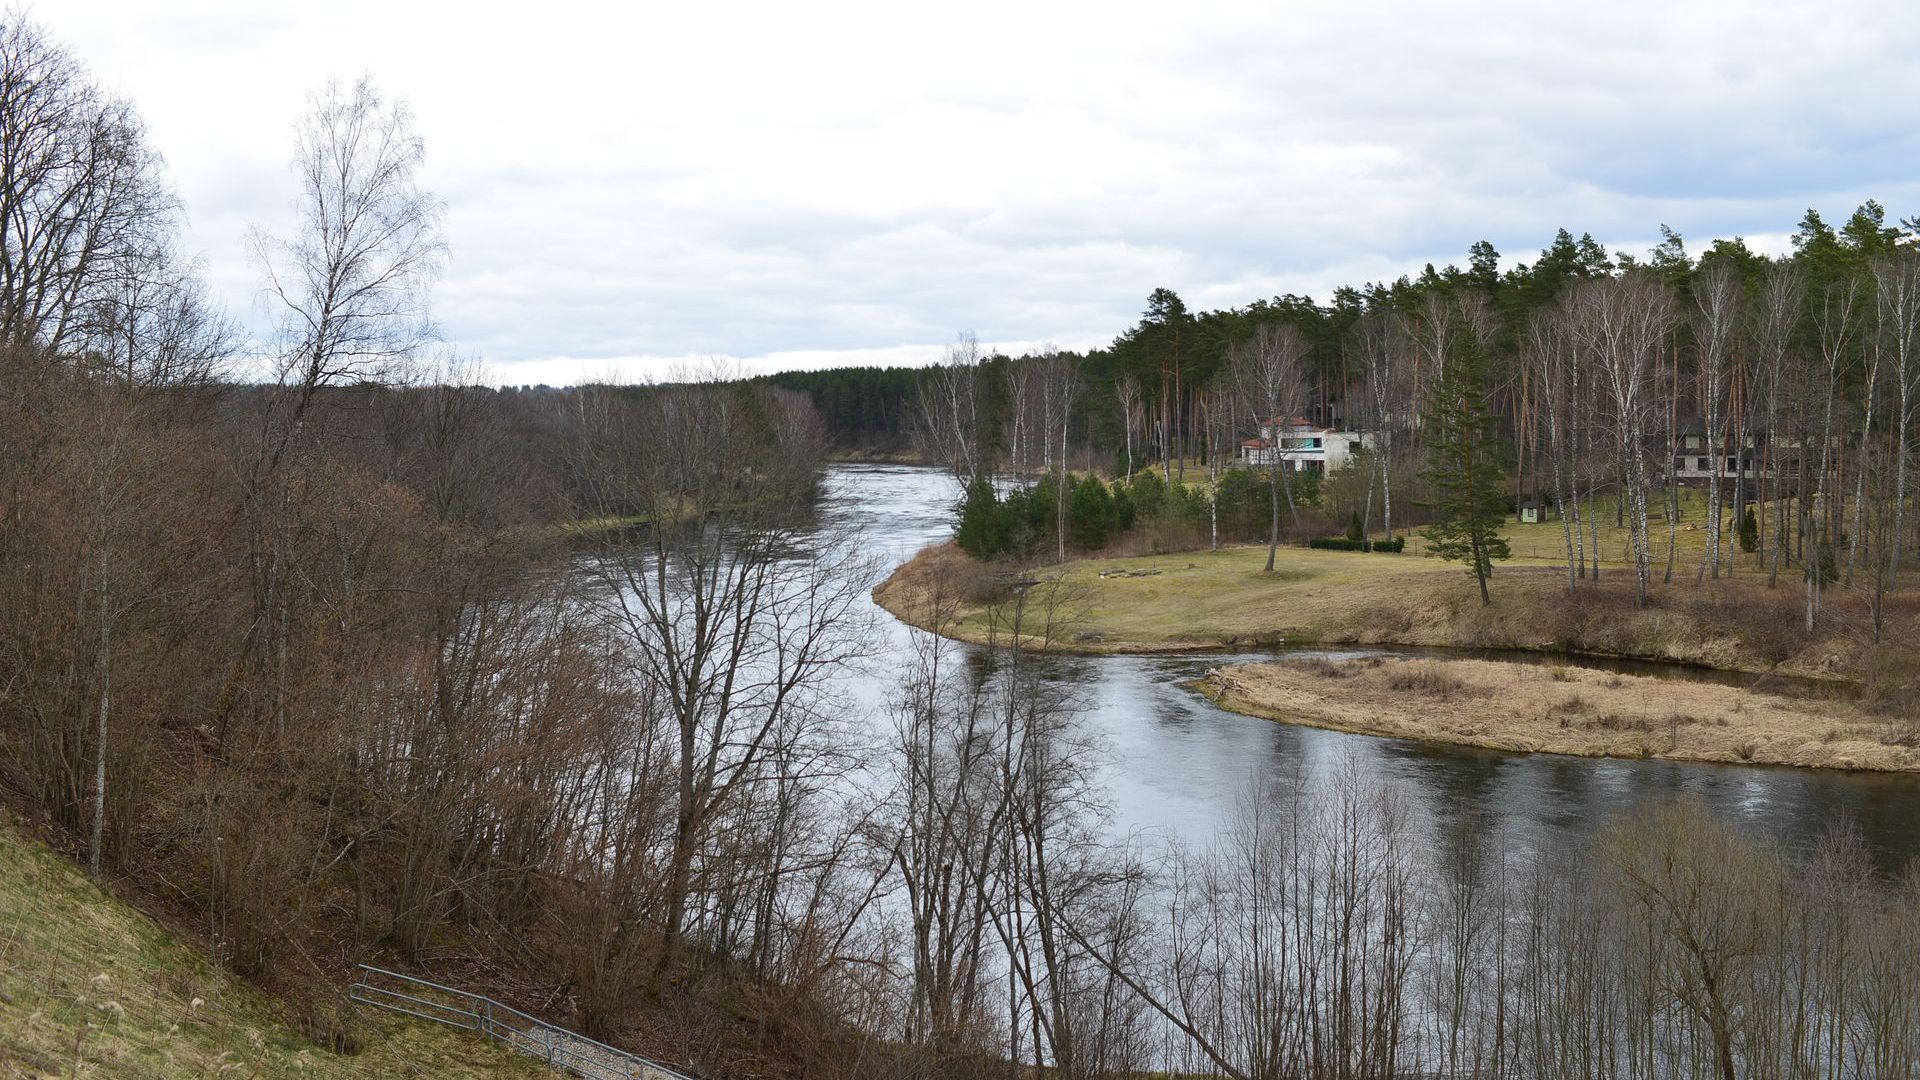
1175	764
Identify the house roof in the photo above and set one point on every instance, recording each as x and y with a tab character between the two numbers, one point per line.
1296	422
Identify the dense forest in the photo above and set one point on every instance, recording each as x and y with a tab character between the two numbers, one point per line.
533	691
864	409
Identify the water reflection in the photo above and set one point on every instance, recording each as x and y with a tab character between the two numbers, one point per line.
1177	763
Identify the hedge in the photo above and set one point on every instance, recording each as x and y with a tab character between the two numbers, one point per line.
1341	543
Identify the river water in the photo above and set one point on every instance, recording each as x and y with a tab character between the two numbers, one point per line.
1176	765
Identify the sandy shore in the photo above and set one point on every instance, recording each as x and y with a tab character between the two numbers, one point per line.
1563	709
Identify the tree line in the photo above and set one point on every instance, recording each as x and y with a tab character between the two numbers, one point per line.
1784	388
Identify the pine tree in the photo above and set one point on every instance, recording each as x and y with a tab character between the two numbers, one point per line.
983	529
1465	467
1090	514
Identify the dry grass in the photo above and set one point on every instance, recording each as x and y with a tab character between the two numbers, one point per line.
90	987
1528	707
1424	678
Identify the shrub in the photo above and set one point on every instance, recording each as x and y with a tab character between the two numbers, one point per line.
1148	493
1124	512
1749	531
1907	734
1355	533
1424	678
1325	668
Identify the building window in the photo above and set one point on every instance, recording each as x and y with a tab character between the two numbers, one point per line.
1700	464
1693	442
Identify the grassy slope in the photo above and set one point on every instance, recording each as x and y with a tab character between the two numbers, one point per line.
91	987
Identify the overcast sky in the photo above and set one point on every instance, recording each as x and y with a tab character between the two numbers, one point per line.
805	184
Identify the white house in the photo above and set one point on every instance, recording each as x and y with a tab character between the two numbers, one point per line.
1301	446
1698	459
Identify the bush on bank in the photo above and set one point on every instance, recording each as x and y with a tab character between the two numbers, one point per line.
1020	523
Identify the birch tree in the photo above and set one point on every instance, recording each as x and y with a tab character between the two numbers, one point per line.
1550	351
1716	319
351	287
1896	279
1127	395
948	413
1059	389
1624	320
1383	347
1782	296
1269	383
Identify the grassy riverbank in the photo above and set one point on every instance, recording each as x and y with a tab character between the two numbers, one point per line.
1225	599
1563	709
91	987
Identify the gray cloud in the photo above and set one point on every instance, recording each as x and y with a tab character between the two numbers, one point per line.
855	183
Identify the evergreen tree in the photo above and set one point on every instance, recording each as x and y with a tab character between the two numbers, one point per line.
1465	467
983	527
1090	514
1749	531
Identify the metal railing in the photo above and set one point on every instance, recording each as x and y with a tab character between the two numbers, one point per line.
504	1024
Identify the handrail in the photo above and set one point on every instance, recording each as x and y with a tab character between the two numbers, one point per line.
557	1046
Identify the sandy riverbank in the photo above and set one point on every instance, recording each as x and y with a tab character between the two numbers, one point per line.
1225	600
1563	709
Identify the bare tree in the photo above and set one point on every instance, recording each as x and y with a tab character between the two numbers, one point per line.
351	284
948	415
1268	381
1383	346
1897	293
157	327
1551	350
1059	389
1021	392
1127	395
1780	303
1623	322
732	615
81	203
351	281
1716	321
1836	323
